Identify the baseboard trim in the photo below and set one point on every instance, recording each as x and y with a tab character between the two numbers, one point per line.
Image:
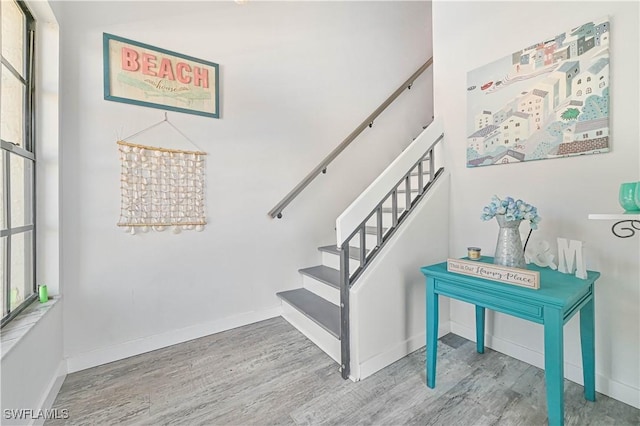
616	390
402	349
52	391
124	350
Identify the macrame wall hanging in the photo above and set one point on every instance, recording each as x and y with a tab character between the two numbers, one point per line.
161	188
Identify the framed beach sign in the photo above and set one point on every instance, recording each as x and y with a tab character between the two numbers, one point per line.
140	74
547	100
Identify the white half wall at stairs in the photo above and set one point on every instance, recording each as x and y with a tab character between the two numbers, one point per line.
388	301
357	212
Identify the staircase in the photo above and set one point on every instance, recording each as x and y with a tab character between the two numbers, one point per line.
317	308
318	300
321	307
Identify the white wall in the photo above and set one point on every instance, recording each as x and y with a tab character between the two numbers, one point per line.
388	300
47	147
296	78
34	369
470	34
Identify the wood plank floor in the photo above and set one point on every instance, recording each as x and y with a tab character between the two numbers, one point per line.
269	374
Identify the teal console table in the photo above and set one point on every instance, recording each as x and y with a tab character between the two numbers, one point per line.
559	297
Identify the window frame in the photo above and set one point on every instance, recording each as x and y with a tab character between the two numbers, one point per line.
27	153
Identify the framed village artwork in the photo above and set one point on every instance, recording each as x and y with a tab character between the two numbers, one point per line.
548	100
140	74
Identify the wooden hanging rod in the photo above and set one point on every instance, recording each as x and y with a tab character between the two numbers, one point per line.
162	224
154	148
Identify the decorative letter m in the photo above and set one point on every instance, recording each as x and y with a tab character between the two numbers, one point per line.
571	258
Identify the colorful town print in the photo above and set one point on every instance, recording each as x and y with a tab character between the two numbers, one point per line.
548	100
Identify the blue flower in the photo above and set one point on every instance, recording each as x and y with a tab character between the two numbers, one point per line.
512	210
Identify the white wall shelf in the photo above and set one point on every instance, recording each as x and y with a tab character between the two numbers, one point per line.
614	216
626	223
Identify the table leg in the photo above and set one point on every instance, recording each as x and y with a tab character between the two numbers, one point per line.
587	341
554	365
480	329
432	332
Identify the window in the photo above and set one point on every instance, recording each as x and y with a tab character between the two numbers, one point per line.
588	90
17	227
579	81
588	79
517	124
585	136
599	133
579	93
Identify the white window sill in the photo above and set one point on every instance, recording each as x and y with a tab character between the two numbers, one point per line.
19	327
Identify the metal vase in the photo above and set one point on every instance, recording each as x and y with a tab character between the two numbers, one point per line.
509	250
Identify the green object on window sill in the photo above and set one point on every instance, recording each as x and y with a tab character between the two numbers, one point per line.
44	294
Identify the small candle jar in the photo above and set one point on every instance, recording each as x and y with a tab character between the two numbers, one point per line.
473	253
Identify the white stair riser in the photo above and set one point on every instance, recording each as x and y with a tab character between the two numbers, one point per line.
387	219
401	202
371	241
323	290
333	261
414	181
402	197
318	335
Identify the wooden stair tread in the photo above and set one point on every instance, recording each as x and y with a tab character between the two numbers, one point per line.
323	274
314	307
